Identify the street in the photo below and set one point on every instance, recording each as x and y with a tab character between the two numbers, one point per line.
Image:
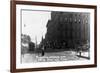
51	57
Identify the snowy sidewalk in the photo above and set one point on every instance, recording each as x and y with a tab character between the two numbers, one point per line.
51	57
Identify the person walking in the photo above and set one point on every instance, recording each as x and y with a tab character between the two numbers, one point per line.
43	51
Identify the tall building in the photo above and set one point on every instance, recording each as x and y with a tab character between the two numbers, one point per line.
68	29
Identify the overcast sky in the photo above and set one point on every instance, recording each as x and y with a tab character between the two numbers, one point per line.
34	24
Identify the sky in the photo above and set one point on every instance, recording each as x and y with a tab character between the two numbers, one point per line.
34	24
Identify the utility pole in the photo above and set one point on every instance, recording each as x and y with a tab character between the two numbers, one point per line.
35	41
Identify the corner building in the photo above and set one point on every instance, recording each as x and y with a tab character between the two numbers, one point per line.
68	30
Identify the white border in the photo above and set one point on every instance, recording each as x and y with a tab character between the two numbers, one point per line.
51	64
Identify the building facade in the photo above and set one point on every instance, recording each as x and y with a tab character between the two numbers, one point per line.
68	30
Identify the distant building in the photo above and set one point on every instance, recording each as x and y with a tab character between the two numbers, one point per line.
68	29
26	44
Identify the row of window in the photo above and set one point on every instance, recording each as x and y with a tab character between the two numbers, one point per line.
75	20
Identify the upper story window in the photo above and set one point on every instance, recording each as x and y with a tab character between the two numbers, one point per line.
79	20
75	20
66	19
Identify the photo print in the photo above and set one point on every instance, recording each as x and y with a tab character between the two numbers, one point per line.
52	36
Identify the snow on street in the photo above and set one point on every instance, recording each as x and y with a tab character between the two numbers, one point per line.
51	57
